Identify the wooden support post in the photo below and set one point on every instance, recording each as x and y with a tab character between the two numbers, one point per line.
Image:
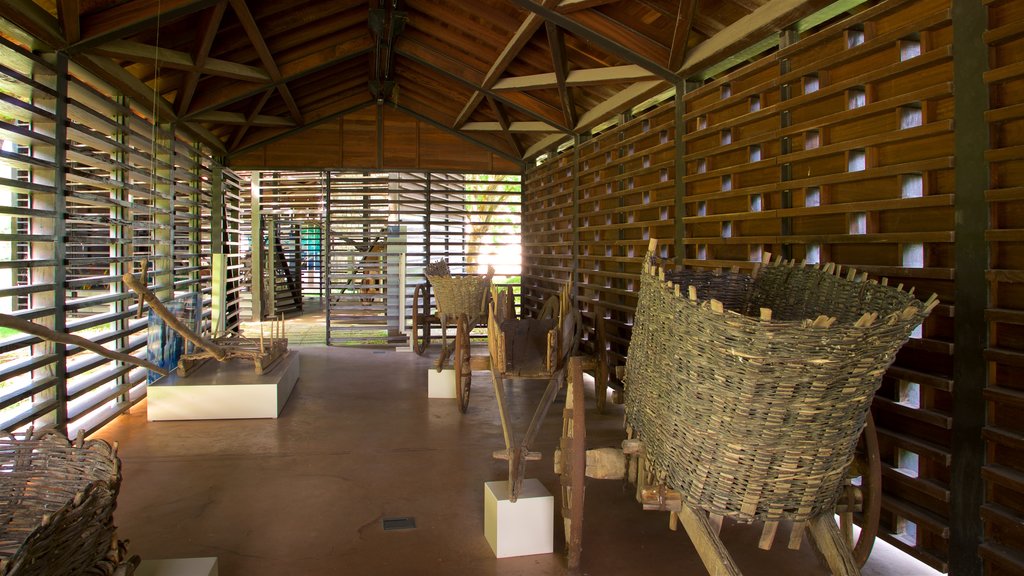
705	539
830	543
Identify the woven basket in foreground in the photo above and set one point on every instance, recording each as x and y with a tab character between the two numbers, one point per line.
57	502
749	392
461	295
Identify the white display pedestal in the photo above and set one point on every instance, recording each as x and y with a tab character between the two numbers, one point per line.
178	567
441	384
523	528
224	390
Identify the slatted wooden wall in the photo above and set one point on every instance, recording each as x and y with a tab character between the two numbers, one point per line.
548	244
837	147
89	189
1003	511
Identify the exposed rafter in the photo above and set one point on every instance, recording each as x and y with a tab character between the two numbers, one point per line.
597	39
486	92
138	52
31	18
556	41
504	123
461	135
132	17
207	32
252	30
68	12
256	109
754	27
588	77
567	6
238	118
515	45
136	89
292	70
681	33
281	135
524	127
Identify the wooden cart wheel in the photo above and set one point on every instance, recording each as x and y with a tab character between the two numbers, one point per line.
463	371
868	465
573	452
420	319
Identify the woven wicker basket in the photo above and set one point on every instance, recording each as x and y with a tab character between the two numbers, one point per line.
752	414
461	295
56	507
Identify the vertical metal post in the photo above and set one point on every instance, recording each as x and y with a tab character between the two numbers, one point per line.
971	140
326	240
786	38
575	249
54	250
256	248
163	211
679	180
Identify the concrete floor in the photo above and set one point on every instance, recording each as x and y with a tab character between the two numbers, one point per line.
359	441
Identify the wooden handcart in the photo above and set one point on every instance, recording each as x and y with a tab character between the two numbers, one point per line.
462	301
746	396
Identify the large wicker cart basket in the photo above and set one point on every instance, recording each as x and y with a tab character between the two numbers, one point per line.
749	392
57	501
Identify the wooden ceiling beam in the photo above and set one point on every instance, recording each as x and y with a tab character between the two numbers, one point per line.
218	97
503	122
525	127
460	134
568	6
515	45
238	118
167	58
69	13
122	20
681	34
137	90
754	27
31	18
207	32
293	131
600	40
534	111
256	109
252	30
627	73
556	41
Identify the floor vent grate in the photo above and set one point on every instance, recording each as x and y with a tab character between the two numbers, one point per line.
399	523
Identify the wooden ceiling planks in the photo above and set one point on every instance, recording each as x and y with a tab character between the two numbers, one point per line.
489	65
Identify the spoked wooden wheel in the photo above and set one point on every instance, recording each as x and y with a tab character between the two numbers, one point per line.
868	466
420	319
573	452
463	371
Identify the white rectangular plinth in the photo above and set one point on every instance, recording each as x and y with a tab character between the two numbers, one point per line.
521	528
178	567
441	384
224	390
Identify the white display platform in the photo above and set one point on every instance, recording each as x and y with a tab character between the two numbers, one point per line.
224	390
523	528
441	384
178	567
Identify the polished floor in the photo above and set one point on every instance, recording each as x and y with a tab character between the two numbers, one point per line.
358	442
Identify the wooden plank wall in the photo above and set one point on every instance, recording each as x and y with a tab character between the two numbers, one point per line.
837	147
1003	512
351	142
